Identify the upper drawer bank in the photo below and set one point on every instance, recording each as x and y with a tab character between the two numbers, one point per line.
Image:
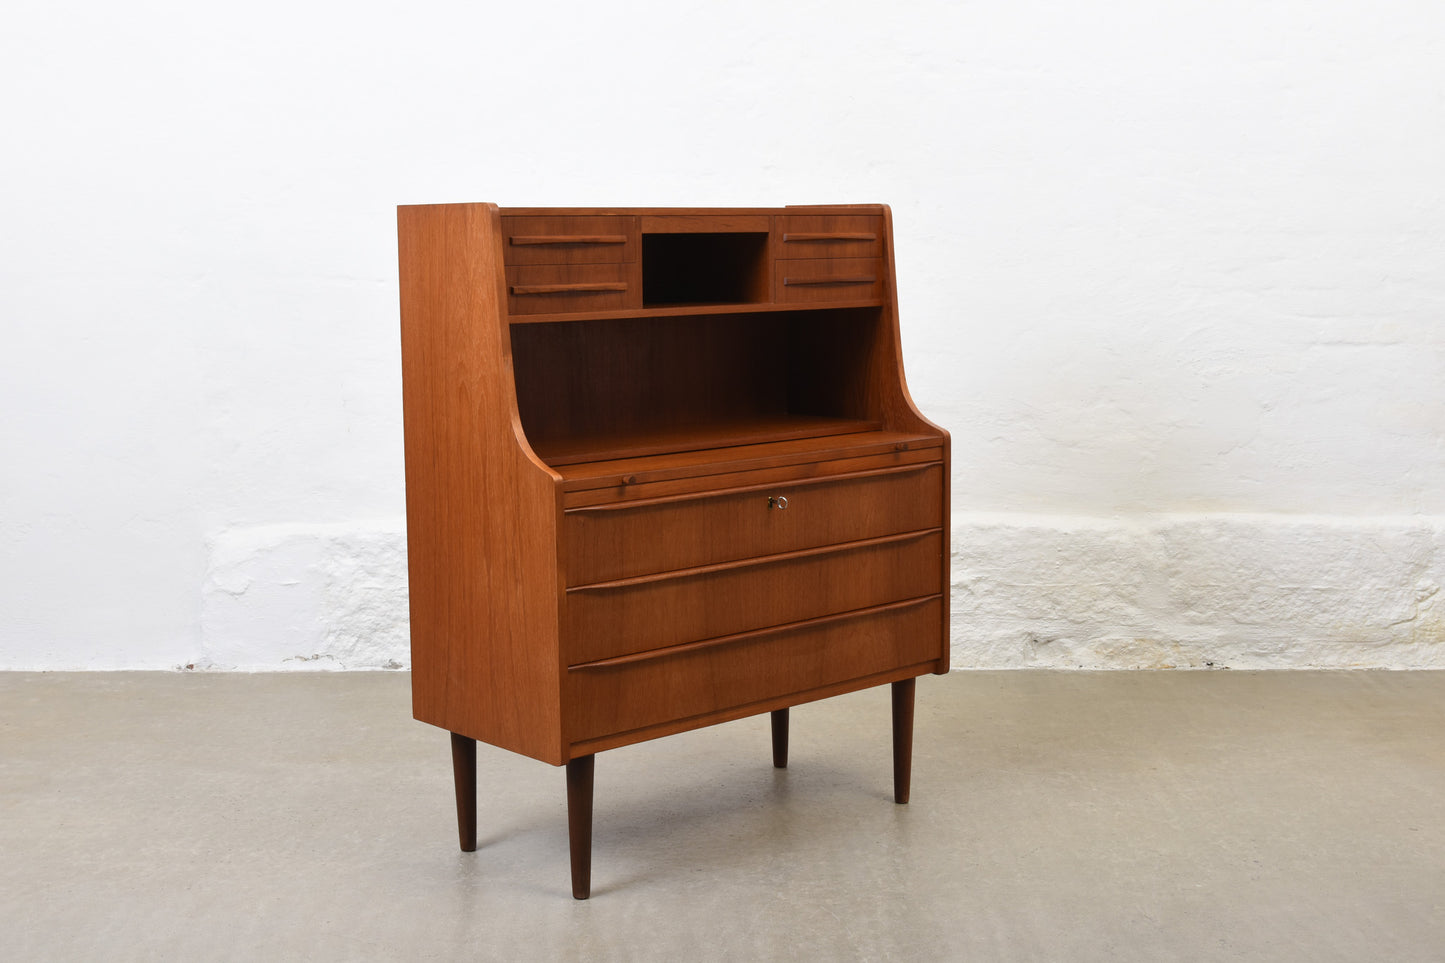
570	239
625	539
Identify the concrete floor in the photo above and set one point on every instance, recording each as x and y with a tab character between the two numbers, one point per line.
1055	816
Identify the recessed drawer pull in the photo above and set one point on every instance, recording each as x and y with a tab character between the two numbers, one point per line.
518	240
860	279
584	287
835	236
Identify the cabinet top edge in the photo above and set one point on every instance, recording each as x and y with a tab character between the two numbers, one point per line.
702	211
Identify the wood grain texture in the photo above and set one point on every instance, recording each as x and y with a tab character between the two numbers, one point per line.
566	240
702	223
743	710
675	532
637	486
676	686
570	239
828	236
639	441
578	287
587	382
889	385
542	288
634	615
828	279
685	310
690	211
723	460
481	510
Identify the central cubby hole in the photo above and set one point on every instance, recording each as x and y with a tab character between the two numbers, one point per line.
705	269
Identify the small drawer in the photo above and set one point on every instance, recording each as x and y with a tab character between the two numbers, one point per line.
829	279
728	673
562	288
626	539
569	240
610	619
829	235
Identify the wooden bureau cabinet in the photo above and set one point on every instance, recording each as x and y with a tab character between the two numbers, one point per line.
662	472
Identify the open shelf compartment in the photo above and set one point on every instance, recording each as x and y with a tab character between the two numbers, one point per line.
605	389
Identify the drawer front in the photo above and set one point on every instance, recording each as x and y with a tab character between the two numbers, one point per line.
622	540
634	615
607	699
830	235
828	279
560	288
569	240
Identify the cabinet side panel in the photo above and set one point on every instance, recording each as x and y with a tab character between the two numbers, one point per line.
481	512
891	385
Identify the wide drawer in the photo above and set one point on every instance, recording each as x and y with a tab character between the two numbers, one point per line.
828	279
829	235
625	539
561	288
712	677
633	615
569	240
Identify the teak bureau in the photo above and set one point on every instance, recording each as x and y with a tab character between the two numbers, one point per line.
662	471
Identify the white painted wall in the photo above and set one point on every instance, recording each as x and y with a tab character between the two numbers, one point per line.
1173	274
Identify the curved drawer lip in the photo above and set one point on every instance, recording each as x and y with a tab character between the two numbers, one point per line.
685	648
746	489
777	462
697	571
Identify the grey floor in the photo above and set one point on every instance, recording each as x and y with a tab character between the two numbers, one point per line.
1055	816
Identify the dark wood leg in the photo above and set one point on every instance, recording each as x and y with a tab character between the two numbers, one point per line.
579	824
902	738
780	738
464	774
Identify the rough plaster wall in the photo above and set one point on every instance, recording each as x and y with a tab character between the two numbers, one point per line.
1198	591
293	596
1170	273
1167	591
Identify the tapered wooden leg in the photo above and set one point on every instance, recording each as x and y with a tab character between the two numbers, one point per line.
902	738
579	824
464	774
780	738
